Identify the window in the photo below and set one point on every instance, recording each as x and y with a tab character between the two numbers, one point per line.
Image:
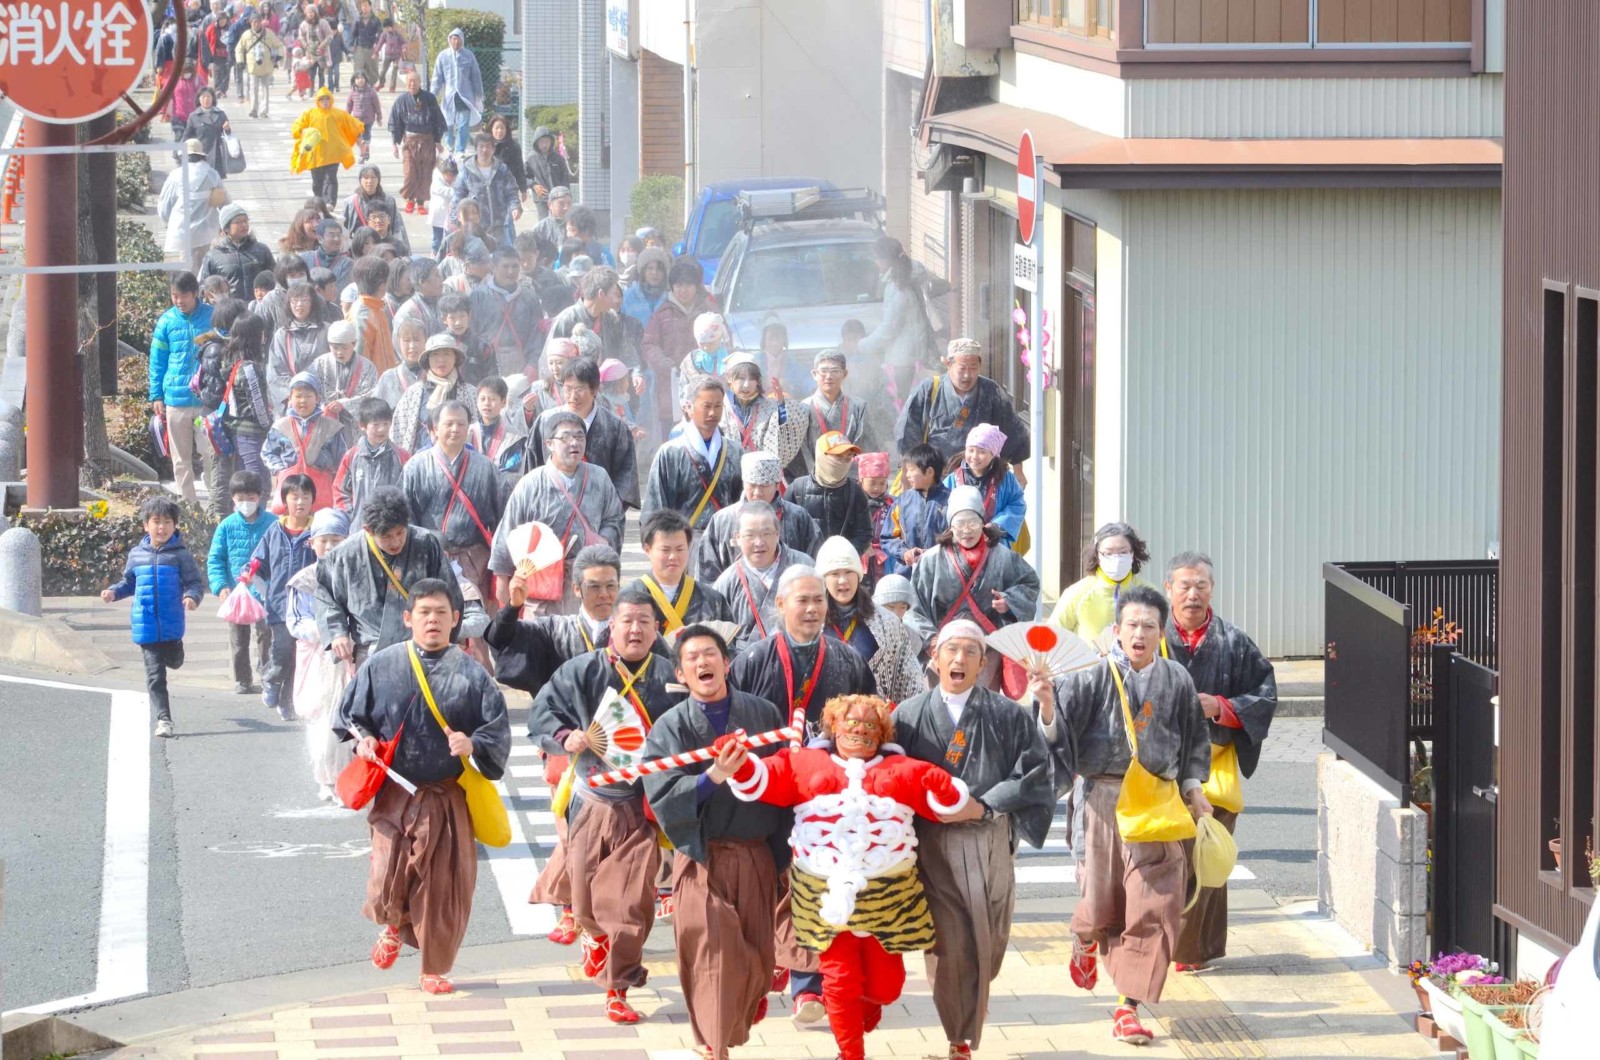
819	274
1551	590
1307	23
1580	764
1084	18
717	225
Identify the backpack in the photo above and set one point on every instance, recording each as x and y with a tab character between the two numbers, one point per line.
258	54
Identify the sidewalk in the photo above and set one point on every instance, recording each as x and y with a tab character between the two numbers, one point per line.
1290	989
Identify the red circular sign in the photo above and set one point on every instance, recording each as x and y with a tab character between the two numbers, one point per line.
1026	178
66	61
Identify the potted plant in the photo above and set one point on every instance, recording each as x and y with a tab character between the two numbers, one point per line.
1489	995
1594	861
1448	973
1555	844
1508	1028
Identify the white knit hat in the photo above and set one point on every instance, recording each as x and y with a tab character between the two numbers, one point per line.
837	553
893	589
965	499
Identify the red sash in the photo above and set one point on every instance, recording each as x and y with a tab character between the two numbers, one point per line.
844	417
1013	678
590	537
988	491
755	611
322	480
798	704
459	494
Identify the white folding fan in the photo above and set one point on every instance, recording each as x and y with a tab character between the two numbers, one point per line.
617	732
537	542
1040	646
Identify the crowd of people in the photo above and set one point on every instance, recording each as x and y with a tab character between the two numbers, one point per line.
422	467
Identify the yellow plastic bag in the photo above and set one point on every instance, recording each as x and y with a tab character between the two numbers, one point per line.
1149	809
561	797
491	825
1214	852
1225	788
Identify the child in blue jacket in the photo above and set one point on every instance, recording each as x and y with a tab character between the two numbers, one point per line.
165	583
280	554
231	547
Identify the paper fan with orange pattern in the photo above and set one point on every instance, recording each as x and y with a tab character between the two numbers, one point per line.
1039	646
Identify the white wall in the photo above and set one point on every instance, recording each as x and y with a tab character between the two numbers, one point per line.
1309	376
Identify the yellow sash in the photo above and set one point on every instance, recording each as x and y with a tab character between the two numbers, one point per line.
377	554
1225	787
491	825
711	487
1149	809
673	616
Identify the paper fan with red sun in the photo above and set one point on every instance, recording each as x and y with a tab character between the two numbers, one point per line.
618	731
1040	646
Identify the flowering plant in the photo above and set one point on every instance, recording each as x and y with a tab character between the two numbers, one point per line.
1457	969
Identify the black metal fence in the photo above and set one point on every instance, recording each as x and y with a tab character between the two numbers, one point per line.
1464	796
1366	684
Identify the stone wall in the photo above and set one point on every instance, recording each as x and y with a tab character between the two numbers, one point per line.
1372	863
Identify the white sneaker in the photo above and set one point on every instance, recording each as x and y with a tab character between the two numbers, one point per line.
164	728
326	793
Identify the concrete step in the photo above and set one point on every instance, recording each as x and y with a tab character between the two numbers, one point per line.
1300	706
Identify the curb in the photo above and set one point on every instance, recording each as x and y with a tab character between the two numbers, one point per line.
48	644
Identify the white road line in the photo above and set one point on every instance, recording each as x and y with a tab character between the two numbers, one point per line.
122	967
515	870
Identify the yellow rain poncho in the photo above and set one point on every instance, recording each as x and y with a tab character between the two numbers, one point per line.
324	137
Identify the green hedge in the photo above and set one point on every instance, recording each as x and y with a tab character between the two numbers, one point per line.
657	201
485	34
133	181
562	118
141	296
84	555
128	415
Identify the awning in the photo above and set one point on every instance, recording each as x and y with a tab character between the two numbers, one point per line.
1077	157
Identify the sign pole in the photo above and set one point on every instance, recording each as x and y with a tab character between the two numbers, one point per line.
1036	397
50	237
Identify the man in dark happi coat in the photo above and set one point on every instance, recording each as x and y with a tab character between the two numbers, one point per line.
750	585
424	863
527	651
575	499
698	472
417	125
728	853
862	421
612	854
994	746
679	600
719	547
455	492
363	586
800	668
834	499
1239	695
506	315
943	409
971	575
608	440
1132	891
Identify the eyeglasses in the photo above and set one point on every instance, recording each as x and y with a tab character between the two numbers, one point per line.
567	436
757	535
576	391
958	523
1108	553
830	373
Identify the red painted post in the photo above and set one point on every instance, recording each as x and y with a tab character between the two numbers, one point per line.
54	390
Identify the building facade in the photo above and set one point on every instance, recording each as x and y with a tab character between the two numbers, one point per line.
1549	788
1271	282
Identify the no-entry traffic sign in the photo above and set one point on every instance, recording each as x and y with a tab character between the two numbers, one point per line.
1027	185
67	61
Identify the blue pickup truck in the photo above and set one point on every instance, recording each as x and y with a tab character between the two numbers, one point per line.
716	216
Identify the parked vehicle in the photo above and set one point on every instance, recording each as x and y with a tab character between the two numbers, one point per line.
715	218
1569	1010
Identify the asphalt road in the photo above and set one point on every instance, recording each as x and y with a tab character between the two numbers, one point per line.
250	875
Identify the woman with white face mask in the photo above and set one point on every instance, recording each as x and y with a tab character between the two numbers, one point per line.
1111	566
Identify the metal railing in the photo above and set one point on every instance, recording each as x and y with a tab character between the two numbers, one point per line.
1366	685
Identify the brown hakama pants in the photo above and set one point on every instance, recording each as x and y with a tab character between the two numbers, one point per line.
723	925
554	885
1132	896
419	153
612	859
1203	938
424	868
970	880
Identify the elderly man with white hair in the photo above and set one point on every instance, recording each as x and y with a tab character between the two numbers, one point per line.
944	408
996	747
761	472
750	584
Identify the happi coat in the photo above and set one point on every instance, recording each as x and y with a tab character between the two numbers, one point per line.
684	604
607	443
816	672
410	430
995	747
718	546
945	587
863	422
458	499
752	596
356	599
364	468
528	651
936	414
917	521
503	444
295	348
579	508
424	863
682	478
779	427
345	383
507	322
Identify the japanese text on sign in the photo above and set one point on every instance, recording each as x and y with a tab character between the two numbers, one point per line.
42	34
1024	269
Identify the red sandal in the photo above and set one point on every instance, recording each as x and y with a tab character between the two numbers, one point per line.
596	951
1085	964
386	949
617	1008
565	933
1125	1026
436	984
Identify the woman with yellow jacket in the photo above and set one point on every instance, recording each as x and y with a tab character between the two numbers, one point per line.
1111	564
323	138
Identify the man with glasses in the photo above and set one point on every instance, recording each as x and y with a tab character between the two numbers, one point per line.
609	440
996	749
943	409
1133	892
829	408
750	585
761	472
574	499
1239	695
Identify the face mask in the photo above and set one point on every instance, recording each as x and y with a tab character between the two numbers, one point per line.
1116	567
627	258
247	509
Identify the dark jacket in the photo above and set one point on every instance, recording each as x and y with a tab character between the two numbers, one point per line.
238	263
282	554
495	196
158	579
840	510
510	153
420	114
549	168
